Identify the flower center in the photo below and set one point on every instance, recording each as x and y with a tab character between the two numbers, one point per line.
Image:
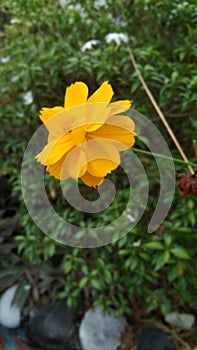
78	135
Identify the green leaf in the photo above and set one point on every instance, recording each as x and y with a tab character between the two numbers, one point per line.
162	260
108	276
124	252
83	282
50	249
180	252
85	269
168	240
154	246
95	284
21	293
131	263
151	279
173	273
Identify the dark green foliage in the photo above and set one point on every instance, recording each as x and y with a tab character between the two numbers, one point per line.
41	53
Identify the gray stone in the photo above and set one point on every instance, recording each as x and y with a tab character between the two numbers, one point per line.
9	314
99	331
52	326
184	321
153	339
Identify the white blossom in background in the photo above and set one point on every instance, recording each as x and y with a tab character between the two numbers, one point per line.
63	3
28	98
121	23
117	37
89	44
137	243
76	7
100	3
88	21
79	9
19	115
14	20
14	78
5	59
131	218
182	5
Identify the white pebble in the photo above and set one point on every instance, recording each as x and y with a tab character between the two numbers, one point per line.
9	314
184	321
98	331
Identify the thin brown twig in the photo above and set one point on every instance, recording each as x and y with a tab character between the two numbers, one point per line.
195	148
158	110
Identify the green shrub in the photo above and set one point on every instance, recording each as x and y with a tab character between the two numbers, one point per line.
41	55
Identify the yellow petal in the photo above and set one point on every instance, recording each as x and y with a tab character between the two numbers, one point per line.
76	94
47	113
96	115
124	103
78	135
60	124
101	167
64	168
55	150
91	181
51	137
118	128
102	157
56	169
75	164
120	106
103	94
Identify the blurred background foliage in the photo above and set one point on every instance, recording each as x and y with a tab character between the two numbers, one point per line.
41	53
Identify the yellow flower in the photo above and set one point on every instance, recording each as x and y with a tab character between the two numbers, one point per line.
86	135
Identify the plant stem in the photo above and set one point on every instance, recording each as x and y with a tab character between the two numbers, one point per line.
195	148
158	110
176	160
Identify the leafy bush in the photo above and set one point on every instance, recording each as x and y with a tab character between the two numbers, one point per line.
41	55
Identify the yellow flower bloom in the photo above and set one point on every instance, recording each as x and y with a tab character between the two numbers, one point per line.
86	135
